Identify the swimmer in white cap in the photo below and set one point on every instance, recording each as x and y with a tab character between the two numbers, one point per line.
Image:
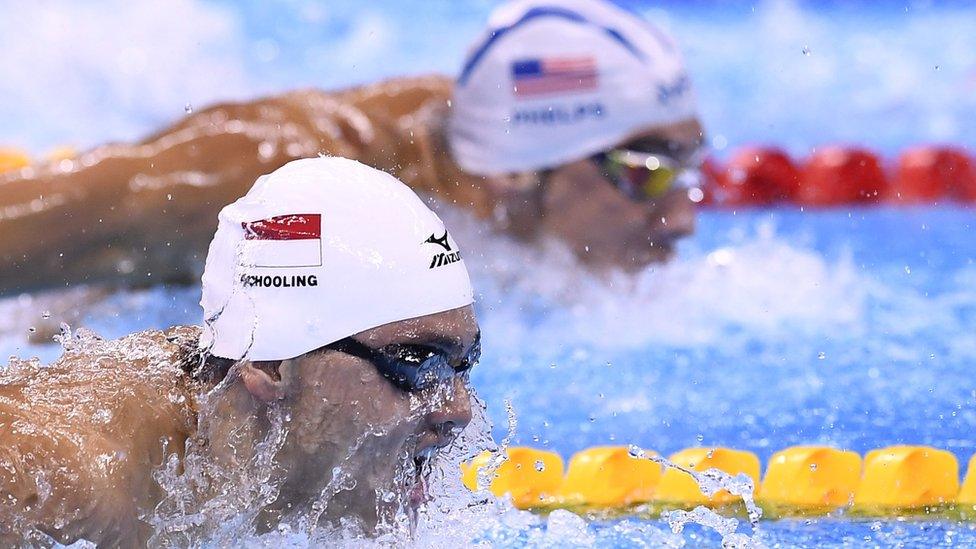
570	119
331	371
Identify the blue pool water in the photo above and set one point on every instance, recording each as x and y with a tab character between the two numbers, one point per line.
881	74
852	328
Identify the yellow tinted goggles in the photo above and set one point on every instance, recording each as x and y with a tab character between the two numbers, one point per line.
642	175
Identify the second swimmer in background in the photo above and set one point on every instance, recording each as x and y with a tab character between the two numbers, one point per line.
570	119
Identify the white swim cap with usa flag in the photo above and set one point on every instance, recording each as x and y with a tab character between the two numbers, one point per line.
555	81
321	249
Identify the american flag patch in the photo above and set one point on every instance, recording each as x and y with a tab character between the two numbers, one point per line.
293	240
548	75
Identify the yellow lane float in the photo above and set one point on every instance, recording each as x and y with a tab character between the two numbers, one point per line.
13	159
907	477
811	477
609	476
967	494
801	479
531	477
677	486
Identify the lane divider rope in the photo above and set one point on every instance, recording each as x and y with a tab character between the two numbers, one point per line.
799	480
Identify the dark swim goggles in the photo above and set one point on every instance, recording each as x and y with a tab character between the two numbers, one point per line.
647	176
410	366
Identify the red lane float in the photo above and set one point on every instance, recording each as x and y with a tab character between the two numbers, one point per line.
711	171
757	176
930	173
837	175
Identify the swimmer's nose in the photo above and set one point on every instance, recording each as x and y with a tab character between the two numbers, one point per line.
674	217
453	415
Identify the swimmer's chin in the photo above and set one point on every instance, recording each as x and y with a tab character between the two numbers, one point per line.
646	257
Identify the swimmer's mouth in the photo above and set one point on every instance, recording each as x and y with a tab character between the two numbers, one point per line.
422	462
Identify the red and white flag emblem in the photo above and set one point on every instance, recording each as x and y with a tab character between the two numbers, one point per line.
292	240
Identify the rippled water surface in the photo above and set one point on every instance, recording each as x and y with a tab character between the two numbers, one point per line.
852	328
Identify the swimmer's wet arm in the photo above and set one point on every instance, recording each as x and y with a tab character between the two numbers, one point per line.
144	213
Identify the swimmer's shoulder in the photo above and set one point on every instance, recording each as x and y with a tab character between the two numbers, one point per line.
104	393
391	97
92	365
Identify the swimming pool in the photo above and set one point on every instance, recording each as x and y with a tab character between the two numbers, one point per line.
847	327
850	327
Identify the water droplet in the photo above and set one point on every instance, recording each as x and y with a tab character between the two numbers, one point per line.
821	355
188	108
700	437
908	270
813	466
46	314
266	150
806	50
540	465
32	329
635	451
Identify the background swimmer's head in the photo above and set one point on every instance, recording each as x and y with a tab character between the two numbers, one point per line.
554	86
324	286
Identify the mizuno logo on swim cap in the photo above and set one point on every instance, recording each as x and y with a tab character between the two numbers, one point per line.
446	257
440	241
442	259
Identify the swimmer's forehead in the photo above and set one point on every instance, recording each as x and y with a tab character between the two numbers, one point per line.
679	139
453	331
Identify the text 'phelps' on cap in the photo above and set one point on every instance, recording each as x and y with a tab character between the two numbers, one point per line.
555	81
321	249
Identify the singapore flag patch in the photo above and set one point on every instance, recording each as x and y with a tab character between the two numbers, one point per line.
291	240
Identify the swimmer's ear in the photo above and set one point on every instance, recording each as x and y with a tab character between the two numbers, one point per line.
263	380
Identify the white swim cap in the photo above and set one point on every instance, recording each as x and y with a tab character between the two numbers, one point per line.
321	249
556	81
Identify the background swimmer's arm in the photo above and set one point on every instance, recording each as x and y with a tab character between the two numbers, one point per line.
140	213
145	213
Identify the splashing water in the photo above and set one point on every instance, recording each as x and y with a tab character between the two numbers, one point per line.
498	454
233	500
814	308
710	482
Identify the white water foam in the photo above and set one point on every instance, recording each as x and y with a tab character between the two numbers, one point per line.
760	284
